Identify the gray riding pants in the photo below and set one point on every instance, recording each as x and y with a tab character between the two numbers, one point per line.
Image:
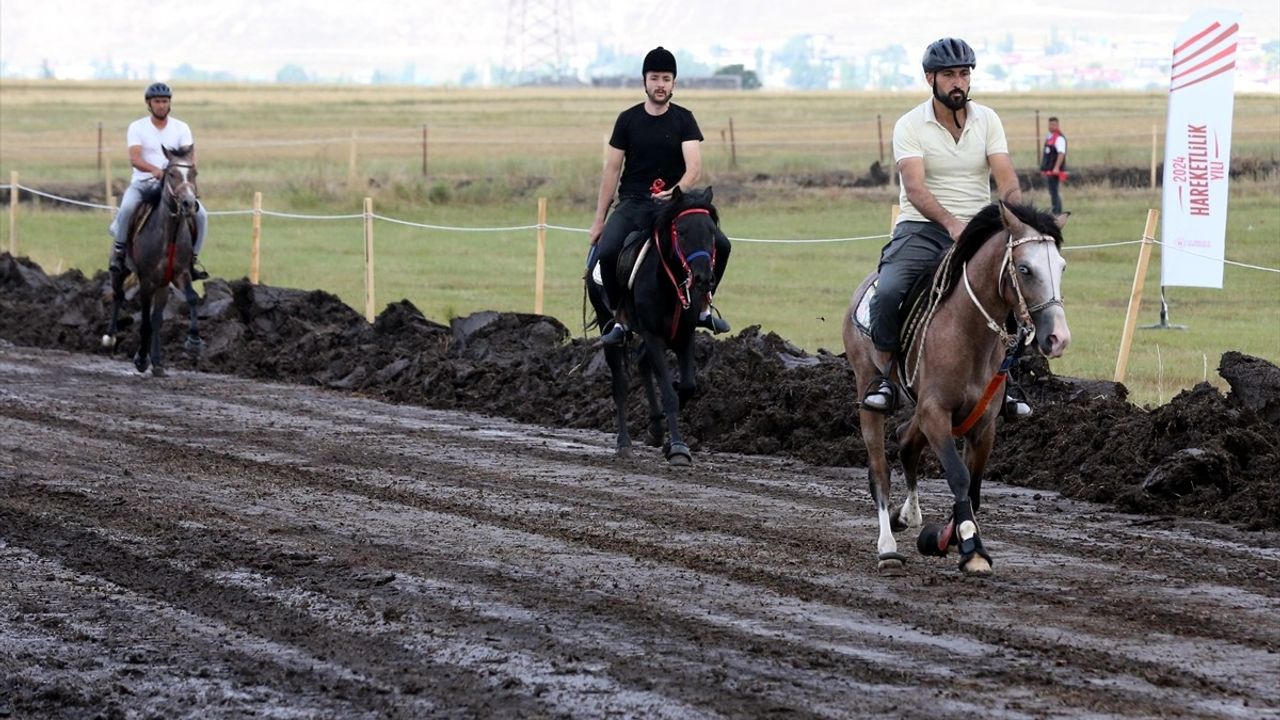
129	202
913	247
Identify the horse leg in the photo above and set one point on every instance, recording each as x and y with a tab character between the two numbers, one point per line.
117	300
193	342
963	528
158	301
888	560
141	359
688	373
912	443
615	356
676	451
977	452
657	434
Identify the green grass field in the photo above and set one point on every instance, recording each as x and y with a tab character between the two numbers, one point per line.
492	153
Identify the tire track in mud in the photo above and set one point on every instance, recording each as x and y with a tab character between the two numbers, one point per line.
492	497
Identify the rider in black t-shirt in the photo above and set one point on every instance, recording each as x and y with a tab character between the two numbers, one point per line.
654	147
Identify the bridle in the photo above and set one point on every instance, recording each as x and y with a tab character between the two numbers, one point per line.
1023	312
173	191
684	288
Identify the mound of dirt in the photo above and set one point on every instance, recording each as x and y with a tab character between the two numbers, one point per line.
1203	454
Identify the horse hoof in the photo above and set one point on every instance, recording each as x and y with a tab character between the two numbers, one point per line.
141	362
656	440
891	564
624	451
108	342
194	344
977	565
931	541
895	523
678	454
157	371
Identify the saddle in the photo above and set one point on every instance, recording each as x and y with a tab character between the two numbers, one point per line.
151	195
910	312
634	248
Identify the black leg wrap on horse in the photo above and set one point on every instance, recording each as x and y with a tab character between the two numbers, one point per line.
973	545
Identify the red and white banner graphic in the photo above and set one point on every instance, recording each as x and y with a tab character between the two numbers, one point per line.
1197	154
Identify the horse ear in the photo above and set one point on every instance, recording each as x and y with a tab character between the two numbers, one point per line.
1011	221
1062	219
167	154
676	193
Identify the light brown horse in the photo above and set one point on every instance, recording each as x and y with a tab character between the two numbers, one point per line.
1006	262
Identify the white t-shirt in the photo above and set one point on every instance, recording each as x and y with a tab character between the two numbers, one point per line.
142	132
956	172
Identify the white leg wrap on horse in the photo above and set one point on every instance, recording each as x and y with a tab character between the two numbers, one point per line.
886	543
910	512
967	529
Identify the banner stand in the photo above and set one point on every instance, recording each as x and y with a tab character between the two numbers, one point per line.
1164	317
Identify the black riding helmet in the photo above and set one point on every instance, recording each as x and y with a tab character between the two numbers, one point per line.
659	59
948	53
158	89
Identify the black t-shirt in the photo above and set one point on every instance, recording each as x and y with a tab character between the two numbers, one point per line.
651	144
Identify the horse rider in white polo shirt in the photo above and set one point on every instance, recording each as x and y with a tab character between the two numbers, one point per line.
947	148
146	138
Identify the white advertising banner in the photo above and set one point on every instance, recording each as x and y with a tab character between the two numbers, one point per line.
1197	154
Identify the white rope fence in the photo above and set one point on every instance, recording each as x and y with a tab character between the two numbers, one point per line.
563	228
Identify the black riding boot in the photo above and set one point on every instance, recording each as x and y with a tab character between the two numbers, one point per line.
197	270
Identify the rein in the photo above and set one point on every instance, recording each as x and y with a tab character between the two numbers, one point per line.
1014	345
683	288
171	244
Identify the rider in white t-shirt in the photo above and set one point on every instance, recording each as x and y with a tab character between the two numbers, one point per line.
146	139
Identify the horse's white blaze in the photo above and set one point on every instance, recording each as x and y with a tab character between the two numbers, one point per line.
886	543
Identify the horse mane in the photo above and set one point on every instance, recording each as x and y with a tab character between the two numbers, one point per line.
989	224
694	199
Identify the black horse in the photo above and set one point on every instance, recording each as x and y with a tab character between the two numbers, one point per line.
667	279
161	236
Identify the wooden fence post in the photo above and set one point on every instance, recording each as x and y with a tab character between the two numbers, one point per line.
424	149
106	181
880	135
99	146
13	213
368	260
351	165
1135	297
540	265
733	147
255	259
1153	156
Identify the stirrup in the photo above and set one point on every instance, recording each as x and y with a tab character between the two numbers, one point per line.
616	336
1016	409
714	323
197	270
880	395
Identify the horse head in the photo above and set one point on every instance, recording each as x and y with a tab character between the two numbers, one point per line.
1034	266
689	223
180	192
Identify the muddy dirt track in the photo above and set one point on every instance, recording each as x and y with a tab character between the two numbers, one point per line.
204	545
359	543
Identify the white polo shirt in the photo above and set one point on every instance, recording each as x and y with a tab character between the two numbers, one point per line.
956	172
142	132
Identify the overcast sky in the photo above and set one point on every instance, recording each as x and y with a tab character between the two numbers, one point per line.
254	38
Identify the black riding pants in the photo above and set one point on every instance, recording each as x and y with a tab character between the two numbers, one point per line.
912	249
629	215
